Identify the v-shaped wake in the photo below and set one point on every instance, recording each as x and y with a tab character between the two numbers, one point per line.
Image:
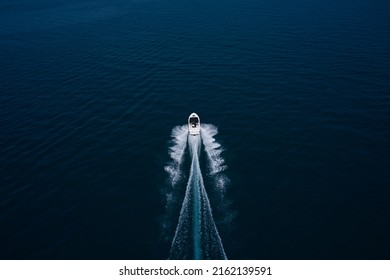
196	235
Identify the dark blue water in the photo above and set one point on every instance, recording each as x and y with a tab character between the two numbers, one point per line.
90	91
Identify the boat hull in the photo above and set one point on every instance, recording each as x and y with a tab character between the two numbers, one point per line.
194	124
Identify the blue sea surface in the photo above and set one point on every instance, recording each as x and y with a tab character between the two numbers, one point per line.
91	90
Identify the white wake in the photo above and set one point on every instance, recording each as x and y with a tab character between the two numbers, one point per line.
176	151
196	235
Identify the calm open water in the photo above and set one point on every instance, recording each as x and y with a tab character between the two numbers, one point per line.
90	91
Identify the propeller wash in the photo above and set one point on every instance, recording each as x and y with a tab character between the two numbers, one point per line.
196	235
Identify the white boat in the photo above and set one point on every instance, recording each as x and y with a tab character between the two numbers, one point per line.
193	124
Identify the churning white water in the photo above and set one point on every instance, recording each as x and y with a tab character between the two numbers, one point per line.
196	235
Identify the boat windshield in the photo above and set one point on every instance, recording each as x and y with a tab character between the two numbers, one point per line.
194	121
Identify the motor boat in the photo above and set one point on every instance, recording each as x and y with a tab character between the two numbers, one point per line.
193	124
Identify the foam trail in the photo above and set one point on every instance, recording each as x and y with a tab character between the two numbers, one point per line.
216	164
213	149
196	182
196	235
179	135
